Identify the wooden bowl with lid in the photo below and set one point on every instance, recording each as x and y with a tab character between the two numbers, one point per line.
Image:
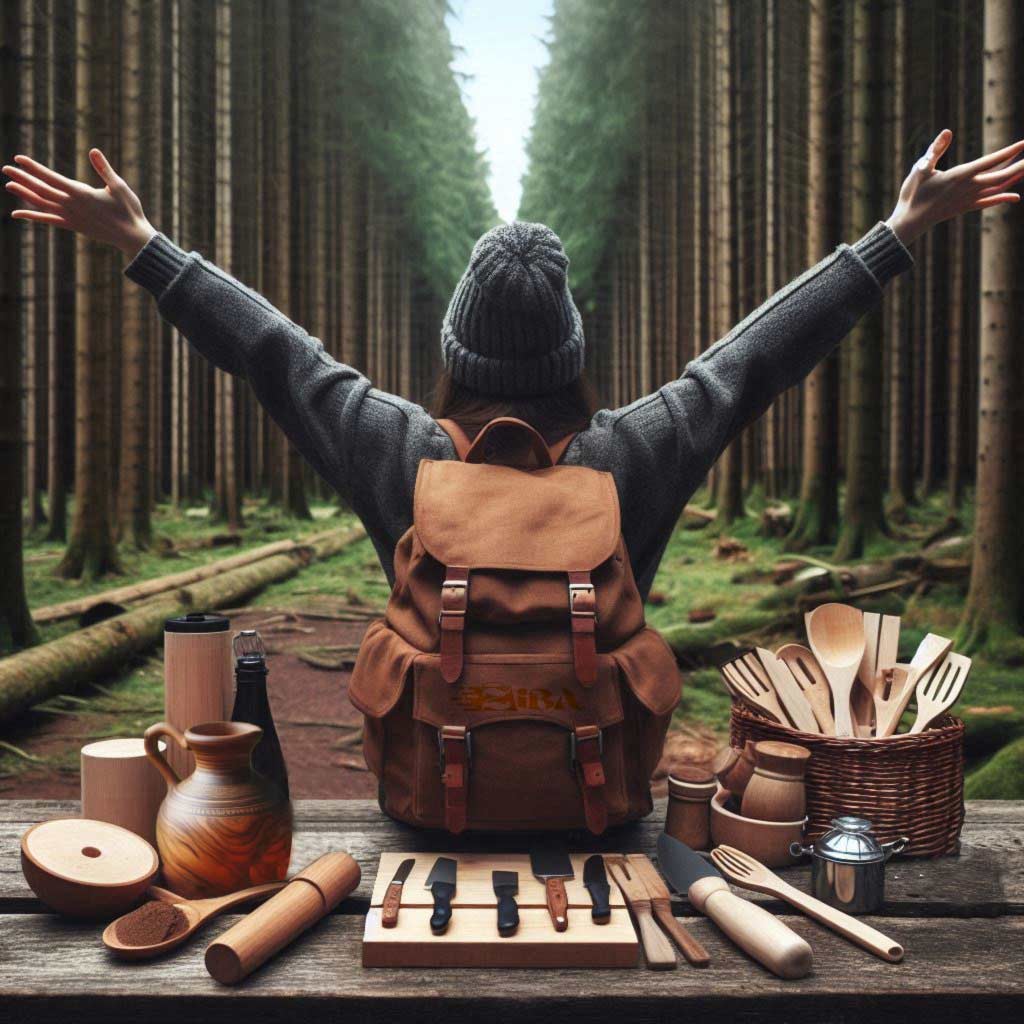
85	868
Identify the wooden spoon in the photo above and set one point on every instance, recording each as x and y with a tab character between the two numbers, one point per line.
835	633
932	649
807	672
789	692
197	913
939	691
748	873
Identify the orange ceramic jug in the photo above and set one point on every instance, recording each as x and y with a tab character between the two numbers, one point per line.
225	827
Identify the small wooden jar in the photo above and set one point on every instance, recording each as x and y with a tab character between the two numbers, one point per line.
690	790
734	767
776	790
121	786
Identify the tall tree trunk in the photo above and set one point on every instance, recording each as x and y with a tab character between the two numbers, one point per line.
994	614
136	345
16	627
863	515
91	551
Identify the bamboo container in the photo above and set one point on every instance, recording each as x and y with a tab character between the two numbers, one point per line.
311	894
198	677
121	786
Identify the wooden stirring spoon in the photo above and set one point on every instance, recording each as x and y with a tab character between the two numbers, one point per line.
932	649
835	633
197	913
811	680
748	873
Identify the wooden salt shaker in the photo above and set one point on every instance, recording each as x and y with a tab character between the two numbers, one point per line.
311	894
121	786
776	790
690	790
733	768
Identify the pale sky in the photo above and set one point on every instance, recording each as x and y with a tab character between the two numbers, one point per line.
502	40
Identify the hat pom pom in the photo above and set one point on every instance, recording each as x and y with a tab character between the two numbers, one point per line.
521	266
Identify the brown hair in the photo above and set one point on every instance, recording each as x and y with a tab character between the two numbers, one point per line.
553	416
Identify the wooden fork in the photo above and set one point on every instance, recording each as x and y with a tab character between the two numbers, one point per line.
746	872
752	683
940	690
789	692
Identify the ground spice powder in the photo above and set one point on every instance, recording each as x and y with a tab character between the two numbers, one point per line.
149	924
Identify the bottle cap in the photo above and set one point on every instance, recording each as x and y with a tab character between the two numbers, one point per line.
197	622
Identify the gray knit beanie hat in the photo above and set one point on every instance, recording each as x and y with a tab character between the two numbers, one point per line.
512	329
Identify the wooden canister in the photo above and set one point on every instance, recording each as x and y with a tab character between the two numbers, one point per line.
733	768
776	790
198	677
311	894
690	790
121	786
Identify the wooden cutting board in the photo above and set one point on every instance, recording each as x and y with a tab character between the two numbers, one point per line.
472	938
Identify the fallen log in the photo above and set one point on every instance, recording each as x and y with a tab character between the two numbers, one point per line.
41	672
135	592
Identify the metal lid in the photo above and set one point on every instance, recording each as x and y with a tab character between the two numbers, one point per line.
197	622
849	842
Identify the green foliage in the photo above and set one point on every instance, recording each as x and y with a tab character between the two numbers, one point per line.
587	128
399	98
1002	778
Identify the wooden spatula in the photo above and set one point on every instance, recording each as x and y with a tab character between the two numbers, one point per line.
811	680
788	690
755	689
835	633
932	649
748	873
940	690
881	644
661	906
657	949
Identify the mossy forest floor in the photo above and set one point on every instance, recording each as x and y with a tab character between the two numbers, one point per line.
39	755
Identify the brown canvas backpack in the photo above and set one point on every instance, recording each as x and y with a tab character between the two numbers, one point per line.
513	683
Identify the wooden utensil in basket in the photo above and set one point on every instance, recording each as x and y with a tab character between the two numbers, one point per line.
811	680
835	633
748	679
940	690
932	649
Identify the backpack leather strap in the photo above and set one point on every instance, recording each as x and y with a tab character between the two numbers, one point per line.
583	615
452	620
587	747
454	741
462	441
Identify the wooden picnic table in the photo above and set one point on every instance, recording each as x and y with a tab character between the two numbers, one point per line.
959	918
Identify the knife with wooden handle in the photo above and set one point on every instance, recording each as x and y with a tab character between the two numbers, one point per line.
661	906
657	949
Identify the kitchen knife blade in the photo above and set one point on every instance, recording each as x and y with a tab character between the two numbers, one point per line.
752	928
441	883
506	887
393	895
595	880
551	865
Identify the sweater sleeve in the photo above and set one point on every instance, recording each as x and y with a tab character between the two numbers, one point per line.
363	442
661	447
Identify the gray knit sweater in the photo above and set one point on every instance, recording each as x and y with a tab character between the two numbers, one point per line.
368	444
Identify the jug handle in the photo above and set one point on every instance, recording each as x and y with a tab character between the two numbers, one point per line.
149	743
896	846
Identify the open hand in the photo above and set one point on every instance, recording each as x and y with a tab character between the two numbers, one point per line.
929	196
111	214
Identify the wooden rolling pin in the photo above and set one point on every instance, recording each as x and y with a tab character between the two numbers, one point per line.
309	896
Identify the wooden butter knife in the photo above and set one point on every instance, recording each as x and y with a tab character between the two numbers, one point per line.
657	950
661	906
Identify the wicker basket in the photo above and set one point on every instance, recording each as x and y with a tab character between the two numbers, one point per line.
905	786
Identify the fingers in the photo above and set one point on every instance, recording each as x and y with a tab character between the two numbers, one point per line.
39	187
40	218
939	146
103	168
1004	197
985	163
28	196
1002	175
44	172
1002	186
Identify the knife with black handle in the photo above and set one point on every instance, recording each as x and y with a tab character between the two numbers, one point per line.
595	881
441	883
506	887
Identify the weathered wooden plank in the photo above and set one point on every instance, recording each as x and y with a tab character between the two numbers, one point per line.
52	970
986	879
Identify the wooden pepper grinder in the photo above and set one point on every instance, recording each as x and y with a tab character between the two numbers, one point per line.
776	790
733	768
690	790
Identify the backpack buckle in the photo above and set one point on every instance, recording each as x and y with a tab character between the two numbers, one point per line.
453	734
455	746
584	734
582	601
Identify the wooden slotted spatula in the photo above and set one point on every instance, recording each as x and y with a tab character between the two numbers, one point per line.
754	687
881	645
811	680
835	633
788	690
939	691
932	649
657	949
748	873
